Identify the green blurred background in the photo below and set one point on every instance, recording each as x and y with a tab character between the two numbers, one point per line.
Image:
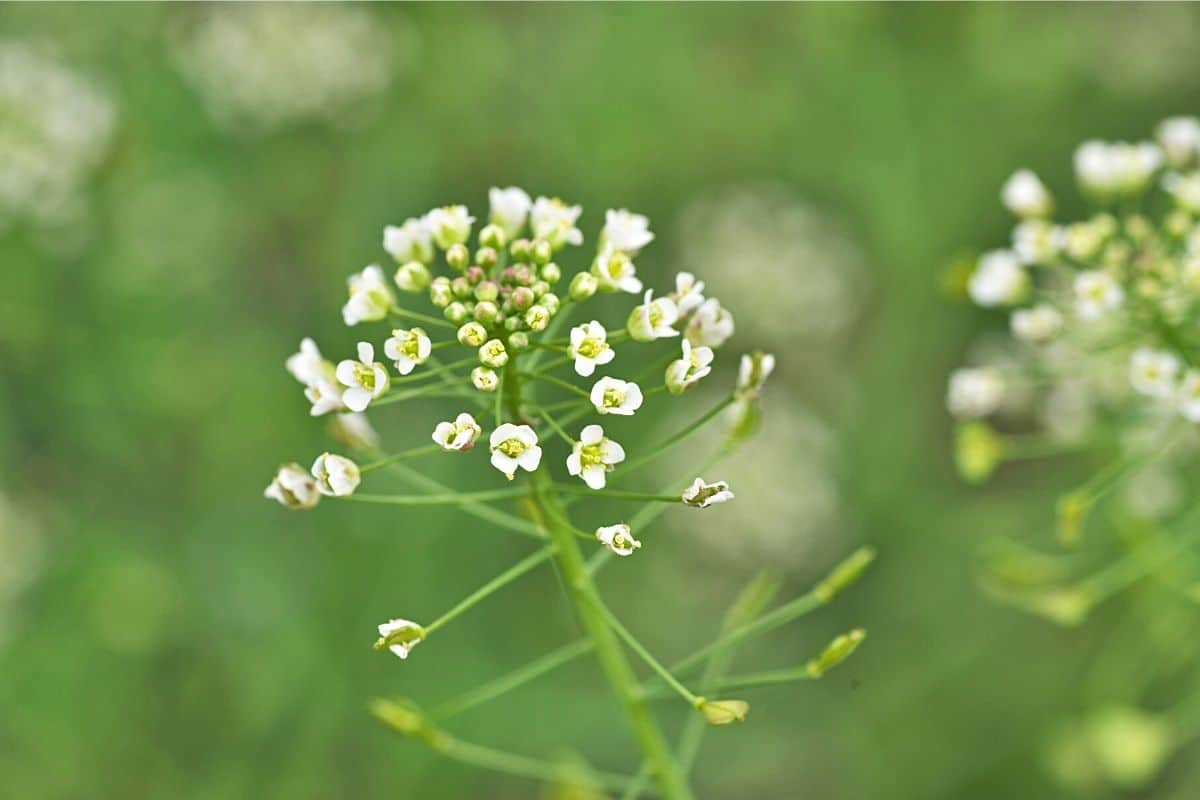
165	632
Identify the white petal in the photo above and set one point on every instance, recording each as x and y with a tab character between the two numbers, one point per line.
366	352
356	398
530	459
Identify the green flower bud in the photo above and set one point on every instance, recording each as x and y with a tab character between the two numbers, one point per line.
492	236
484	379
522	275
412	277
520	249
456	312
537	318
518	341
440	293
486	312
541	252
472	334
1073	509
461	287
836	652
583	286
724	712
844	574
486	257
522	298
550	301
513	324
457	256
540	288
552	273
488	290
493	354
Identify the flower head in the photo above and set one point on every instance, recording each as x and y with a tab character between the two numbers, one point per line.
554	221
336	476
459	435
710	325
515	446
703	495
615	396
1038	324
509	209
293	488
593	456
626	231
974	392
308	365
1026	196
688	294
1096	294
1036	241
753	372
412	241
998	280
618	539
408	348
492	353
1111	168
399	636
370	297
589	347
365	379
1153	372
325	396
615	271
695	363
450	225
653	319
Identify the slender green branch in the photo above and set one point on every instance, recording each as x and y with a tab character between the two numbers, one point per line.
429	390
657	450
523	766
437	370
513	680
556	427
449	499
419	317
556	325
559	382
392	459
496	583
617	494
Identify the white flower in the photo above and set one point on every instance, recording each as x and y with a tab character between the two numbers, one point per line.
1096	293
354	431
515	446
1180	139
618	539
459	435
703	495
400	636
1117	167
408	348
485	379
554	221
1189	396
694	365
325	396
509	209
1152	372
1038	324
308	365
615	272
336	476
366	378
593	456
293	488
492	353
974	392
370	297
1025	195
412	276
688	294
450	225
652	319
1185	189
998	279
1036	241
615	396
710	325
412	241
589	347
753	372
626	231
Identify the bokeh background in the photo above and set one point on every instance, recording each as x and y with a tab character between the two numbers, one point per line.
185	189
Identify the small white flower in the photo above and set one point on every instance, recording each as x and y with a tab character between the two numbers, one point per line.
336	476
974	392
509	209
753	372
615	396
615	272
1189	396
1096	294
618	539
450	225
515	446
1152	372
594	456
408	348
325	396
688	294
485	379
459	435
554	221
998	279
412	241
1185	189
1036	241
710	325
1180	139
1116	167
695	363
652	319
412	276
370	297
354	431
308	366
626	231
703	495
1038	324
400	636
589	347
1025	195
293	488
366	378
493	354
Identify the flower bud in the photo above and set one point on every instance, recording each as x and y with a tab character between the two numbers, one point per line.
440	293
457	256
844	574
583	286
488	290
412	277
541	252
522	275
492	236
724	712
336	476
399	636
550	301
978	451
835	652
551	273
1073	510
522	298
520	249
486	257
486	312
493	354
461	287
539	288
456	312
537	318
512	324
472	334
518	340
293	488
474	274
484	379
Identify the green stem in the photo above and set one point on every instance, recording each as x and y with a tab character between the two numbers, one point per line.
513	680
496	583
431	390
449	499
557	428
559	382
655	451
525	767
438	369
419	317
392	459
617	494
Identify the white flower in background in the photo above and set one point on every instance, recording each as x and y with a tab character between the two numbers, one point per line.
459	435
1038	324
400	636
753	371
974	392
412	241
618	539
653	319
264	66
412	276
325	396
615	272
450	225
485	379
1025	195
515	446
308	365
710	325
998	279
1189	396
293	488
695	363
554	221
589	347
1096	294
56	129
688	294
594	456
1036	241
1152	372
1107	168
509	209
354	431
615	396
703	495
626	231
336	476
370	296
408	348
365	379
1185	189
1179	138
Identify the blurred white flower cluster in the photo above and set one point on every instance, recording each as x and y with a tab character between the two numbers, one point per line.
261	66
55	128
